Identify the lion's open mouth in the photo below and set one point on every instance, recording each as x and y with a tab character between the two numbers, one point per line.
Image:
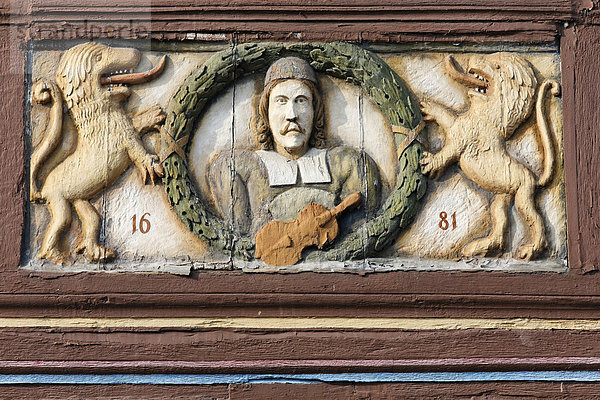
474	78
484	83
127	77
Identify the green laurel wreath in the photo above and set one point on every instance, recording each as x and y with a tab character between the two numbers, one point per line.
342	60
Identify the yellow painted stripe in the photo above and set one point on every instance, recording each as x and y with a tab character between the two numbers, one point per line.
306	323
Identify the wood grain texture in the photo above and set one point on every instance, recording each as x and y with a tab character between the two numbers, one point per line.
27	344
471	364
523	390
475	391
297	305
272	29
568	48
12	65
99	285
356	20
581	52
118	392
320	7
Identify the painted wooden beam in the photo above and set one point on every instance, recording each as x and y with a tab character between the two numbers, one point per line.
475	364
309	323
189	379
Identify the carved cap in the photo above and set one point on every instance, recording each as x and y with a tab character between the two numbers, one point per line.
290	68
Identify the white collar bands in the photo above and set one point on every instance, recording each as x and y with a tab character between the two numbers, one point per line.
283	171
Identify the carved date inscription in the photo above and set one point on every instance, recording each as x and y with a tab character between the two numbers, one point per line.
444	224
144	225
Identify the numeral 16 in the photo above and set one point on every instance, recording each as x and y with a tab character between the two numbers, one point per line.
144	223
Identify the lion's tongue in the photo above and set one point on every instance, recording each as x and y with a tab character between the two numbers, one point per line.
461	77
137	77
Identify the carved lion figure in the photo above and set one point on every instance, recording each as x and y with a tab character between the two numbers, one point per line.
502	89
92	80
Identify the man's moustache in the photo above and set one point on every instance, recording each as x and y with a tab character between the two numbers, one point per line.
296	128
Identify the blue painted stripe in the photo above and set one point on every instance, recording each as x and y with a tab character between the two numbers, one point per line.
212	379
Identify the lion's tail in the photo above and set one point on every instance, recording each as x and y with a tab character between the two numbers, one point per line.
544	131
44	92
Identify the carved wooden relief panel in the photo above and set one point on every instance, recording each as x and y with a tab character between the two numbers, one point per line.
271	157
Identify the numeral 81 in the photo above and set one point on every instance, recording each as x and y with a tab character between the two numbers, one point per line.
444	224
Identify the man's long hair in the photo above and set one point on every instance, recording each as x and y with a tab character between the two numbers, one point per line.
262	130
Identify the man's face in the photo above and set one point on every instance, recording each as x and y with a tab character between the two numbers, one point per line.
291	117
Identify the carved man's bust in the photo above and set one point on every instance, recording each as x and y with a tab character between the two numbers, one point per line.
293	167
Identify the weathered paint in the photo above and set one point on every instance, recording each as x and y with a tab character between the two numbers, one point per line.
309	323
186	379
473	364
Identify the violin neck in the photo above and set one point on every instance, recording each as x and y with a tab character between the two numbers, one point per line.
349	202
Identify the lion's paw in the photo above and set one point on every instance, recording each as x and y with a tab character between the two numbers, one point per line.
150	167
155	117
431	165
481	248
35	196
149	120
426	110
54	255
94	252
529	251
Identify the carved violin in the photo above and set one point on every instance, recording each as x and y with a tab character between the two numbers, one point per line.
281	242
